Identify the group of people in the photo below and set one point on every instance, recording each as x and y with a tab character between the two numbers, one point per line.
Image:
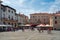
39	30
23	29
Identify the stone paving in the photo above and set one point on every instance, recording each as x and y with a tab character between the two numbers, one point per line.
30	35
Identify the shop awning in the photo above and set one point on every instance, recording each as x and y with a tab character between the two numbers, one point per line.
41	25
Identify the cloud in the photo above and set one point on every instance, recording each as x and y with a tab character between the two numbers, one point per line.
55	7
14	2
6	1
31	6
29	11
21	1
43	3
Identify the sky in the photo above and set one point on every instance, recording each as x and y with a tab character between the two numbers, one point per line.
28	7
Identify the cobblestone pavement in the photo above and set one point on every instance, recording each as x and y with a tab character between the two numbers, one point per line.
30	35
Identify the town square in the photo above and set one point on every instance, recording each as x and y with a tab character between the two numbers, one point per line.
29	19
30	35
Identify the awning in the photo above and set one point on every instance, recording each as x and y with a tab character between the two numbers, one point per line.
41	25
6	25
27	25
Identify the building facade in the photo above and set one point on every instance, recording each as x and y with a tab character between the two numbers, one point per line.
45	18
18	19
0	12
55	20
8	16
39	18
23	19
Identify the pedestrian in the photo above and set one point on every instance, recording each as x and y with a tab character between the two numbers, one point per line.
39	30
42	29
49	30
32	28
1	29
14	29
23	29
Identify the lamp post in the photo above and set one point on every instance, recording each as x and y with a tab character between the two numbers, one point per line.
0	11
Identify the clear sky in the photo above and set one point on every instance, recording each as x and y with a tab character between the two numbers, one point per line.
31	6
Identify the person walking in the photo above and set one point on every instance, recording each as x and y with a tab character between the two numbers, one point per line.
23	29
49	30
32	28
14	29
42	29
39	30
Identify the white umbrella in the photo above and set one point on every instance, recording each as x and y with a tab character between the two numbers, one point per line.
41	25
6	25
47	25
21	25
27	25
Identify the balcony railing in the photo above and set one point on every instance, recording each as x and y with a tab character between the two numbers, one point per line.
4	18
8	19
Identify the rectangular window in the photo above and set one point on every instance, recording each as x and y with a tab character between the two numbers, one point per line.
4	23
9	17
9	11
55	22
3	10
55	17
12	17
4	15
8	23
12	24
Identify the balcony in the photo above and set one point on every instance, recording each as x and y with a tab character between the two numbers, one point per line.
10	20
13	19
4	18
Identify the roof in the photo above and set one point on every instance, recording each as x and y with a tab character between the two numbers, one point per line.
56	14
11	8
47	14
8	7
38	13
